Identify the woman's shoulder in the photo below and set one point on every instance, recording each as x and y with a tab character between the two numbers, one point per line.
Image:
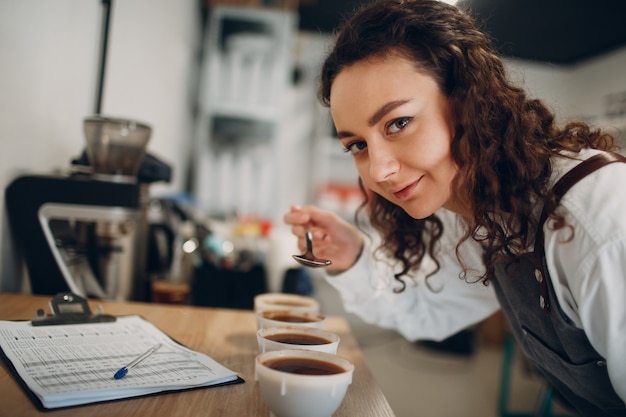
576	255
565	161
598	200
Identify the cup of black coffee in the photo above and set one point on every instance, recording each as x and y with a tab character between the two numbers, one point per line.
292	337
284	301
288	317
303	383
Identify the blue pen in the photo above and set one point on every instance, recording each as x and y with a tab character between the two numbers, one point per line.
123	371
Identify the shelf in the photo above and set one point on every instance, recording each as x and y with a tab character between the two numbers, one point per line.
242	111
225	130
247	62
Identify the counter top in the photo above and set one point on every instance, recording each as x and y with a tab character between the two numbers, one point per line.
228	336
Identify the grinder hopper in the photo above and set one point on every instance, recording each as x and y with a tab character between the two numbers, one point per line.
115	147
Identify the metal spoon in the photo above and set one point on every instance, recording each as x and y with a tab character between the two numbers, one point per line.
307	258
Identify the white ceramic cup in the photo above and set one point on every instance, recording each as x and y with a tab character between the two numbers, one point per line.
291	337
282	318
282	301
296	395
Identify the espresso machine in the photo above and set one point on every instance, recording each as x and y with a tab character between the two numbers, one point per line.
85	231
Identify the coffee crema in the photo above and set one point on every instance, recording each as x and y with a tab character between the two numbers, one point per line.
304	366
298	339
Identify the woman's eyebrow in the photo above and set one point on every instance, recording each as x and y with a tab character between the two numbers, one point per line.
384	110
344	134
376	117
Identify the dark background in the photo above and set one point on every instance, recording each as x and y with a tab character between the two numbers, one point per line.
555	31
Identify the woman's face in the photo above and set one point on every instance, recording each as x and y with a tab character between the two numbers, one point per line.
398	126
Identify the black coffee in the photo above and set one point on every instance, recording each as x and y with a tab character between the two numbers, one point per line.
304	366
298	339
288	303
289	318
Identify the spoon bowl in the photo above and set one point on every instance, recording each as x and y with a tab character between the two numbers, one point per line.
307	258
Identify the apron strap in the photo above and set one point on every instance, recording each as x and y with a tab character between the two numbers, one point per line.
560	188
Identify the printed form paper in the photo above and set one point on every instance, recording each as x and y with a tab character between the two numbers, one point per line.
74	364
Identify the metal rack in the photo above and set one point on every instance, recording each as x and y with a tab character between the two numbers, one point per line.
245	74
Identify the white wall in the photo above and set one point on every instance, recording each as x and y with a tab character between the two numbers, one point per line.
597	78
49	51
48	81
550	83
577	91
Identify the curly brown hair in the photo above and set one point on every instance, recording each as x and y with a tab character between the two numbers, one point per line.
503	142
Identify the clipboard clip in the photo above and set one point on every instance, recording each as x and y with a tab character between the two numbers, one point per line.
69	308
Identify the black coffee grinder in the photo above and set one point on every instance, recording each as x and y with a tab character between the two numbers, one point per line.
86	231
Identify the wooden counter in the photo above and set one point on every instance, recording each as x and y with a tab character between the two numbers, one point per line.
228	336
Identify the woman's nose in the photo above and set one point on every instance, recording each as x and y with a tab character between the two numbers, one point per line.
383	163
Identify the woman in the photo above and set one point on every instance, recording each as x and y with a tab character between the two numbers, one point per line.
459	169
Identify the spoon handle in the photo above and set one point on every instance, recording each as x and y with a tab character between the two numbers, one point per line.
309	242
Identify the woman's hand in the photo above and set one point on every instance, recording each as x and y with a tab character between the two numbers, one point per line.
333	237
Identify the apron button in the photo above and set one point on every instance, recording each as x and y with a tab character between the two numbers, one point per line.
542	301
538	275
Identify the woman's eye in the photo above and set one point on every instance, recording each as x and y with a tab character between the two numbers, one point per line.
355	147
398	124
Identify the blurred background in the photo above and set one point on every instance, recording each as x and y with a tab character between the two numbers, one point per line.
228	89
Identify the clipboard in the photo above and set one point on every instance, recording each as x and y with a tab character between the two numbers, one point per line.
68	308
79	352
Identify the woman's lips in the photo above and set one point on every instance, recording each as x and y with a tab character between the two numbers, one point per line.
406	192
